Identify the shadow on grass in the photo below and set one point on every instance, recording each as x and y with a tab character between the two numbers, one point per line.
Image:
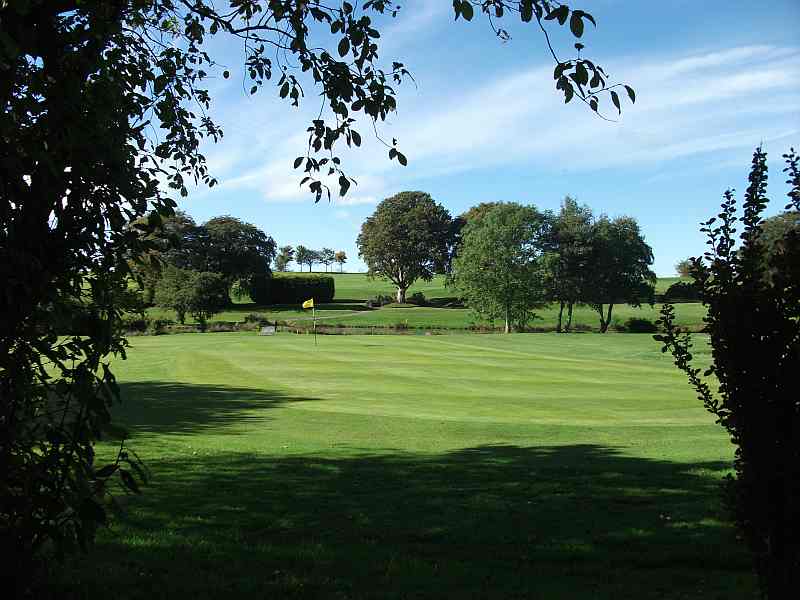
579	521
169	407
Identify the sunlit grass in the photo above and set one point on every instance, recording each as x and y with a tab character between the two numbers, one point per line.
527	466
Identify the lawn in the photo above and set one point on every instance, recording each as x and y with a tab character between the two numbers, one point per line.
454	466
352	289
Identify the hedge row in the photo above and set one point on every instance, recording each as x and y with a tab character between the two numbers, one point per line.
292	289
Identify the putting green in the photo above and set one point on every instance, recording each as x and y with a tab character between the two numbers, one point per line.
538	465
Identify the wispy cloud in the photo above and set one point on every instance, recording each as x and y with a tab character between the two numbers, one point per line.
692	105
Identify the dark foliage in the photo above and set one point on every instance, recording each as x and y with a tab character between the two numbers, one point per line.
754	328
682	291
295	289
639	325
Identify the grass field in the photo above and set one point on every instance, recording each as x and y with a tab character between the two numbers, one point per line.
352	289
456	466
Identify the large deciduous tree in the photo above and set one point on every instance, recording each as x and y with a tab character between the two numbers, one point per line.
619	267
408	237
568	258
225	245
498	269
753	325
104	107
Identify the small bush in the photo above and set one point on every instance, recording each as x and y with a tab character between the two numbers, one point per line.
418	298
157	326
638	325
255	318
379	300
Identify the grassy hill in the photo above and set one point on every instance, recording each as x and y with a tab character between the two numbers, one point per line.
451	466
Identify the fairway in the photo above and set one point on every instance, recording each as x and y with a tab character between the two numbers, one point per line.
462	466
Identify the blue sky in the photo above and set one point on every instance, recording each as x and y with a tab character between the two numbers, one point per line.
484	123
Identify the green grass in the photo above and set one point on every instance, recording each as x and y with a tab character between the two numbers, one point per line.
457	466
352	289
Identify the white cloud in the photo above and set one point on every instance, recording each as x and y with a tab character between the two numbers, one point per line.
703	104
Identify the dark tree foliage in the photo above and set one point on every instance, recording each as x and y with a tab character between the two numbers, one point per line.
753	325
619	267
206	295
172	291
682	291
224	245
101	100
408	237
569	252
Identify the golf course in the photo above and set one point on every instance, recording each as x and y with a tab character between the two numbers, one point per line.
416	466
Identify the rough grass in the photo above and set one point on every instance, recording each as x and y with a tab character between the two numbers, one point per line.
459	466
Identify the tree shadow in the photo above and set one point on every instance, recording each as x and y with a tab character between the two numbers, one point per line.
579	521
158	407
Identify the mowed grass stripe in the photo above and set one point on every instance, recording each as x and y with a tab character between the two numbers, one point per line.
575	466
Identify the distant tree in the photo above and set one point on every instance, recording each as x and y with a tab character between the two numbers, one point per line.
327	257
305	256
618	267
207	294
753	325
568	256
340	257
146	268
284	257
173	290
498	269
683	268
408	237
224	245
238	250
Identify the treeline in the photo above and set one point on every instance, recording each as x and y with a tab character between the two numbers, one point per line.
195	269
505	260
307	257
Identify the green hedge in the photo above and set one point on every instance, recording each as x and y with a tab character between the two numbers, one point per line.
292	289
682	291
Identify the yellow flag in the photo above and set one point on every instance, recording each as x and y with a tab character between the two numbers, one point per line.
308	303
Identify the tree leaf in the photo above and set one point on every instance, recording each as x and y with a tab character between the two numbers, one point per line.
615	100
631	93
344	46
576	24
298	161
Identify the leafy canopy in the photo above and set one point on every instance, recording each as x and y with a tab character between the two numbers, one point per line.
498	269
408	237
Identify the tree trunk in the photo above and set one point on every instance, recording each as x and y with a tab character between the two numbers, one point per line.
603	324
569	316
401	295
508	320
560	313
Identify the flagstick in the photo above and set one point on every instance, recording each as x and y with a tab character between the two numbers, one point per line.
314	318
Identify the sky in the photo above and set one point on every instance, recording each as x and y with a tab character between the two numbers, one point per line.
484	122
